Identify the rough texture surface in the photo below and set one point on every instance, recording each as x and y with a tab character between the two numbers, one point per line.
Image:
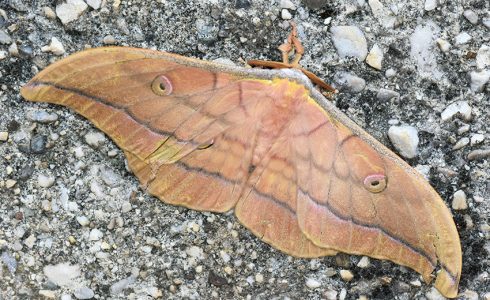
94	218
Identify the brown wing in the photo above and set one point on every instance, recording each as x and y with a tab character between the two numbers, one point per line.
305	180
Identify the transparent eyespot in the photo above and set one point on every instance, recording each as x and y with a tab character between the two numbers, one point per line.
375	183
161	86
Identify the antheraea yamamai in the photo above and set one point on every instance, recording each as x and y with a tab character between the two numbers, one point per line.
298	173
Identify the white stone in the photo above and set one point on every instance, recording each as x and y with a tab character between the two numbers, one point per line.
42	116
84	293
195	252
55	47
461	108
3	54
95	4
30	241
486	21
312	283
70	11
47	294
4	136
382	14
459	200
375	57
83	220
471	16
287	4
121	285
286	15
45	181
95	234
259	278
363	262
477	138
331	295
225	256
390	73
94	139
430	5
349	82
462	38
422	43
78	151
483	57
443	45
349	41
62	274
478	80
461	143
434	294
126	207
405	139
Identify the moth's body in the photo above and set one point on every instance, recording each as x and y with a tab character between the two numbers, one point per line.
299	173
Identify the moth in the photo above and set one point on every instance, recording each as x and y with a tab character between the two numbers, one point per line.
267	144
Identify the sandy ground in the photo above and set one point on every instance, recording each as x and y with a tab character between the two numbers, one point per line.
66	196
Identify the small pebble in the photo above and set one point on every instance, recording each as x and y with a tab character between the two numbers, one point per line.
405	139
94	139
331	295
49	12
286	15
434	294
195	252
42	116
95	234
47	294
478	80
84	293
346	275
312	283
375	57
349	42
55	47
459	200
30	241
70	11
471	16
45	181
62	274
10	183
83	220
225	256
287	4
4	136
259	278
430	5
363	262
386	95
483	57
443	45
477	138
349	82
479	154
460	108
5	38
3	54
95	4
462	38
38	144
126	207
461	143
390	73
422	43
119	286
109	40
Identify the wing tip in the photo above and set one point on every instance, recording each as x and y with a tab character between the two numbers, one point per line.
447	283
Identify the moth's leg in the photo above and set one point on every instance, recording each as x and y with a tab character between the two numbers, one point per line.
322	84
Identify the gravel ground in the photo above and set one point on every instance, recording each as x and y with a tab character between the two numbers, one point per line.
75	225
